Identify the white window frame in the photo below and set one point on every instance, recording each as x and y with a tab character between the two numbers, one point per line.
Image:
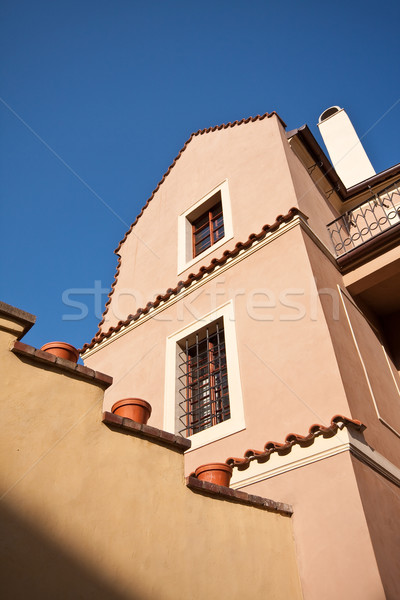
185	235
236	421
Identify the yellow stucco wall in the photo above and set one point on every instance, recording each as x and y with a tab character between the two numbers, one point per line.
88	512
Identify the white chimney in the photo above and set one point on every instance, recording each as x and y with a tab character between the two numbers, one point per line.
344	147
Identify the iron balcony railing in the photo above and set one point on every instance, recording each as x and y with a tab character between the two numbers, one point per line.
367	220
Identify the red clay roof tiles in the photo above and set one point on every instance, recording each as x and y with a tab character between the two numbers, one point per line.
253	237
196	133
294	438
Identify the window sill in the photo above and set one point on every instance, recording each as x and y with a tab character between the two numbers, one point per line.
215	433
200	257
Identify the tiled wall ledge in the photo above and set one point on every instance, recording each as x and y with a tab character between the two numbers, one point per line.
224	493
146	431
45	358
181	444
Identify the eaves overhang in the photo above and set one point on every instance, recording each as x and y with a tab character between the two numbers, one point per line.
304	135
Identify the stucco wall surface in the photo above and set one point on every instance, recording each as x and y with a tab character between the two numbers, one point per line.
93	513
252	158
369	377
333	544
381	503
311	201
289	377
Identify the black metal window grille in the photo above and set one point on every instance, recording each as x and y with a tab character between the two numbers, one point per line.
208	229
204	383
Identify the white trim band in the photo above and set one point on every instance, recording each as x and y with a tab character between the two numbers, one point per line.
345	440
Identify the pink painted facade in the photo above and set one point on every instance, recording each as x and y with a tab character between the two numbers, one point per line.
309	334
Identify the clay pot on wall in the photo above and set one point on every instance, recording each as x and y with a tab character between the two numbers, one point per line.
133	408
218	473
62	350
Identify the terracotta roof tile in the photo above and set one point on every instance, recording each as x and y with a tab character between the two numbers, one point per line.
196	133
193	277
295	438
114	283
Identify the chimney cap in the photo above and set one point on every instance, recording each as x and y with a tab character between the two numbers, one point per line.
328	113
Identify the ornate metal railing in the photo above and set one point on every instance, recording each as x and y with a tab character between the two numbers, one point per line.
367	220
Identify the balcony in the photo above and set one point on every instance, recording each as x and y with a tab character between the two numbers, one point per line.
376	218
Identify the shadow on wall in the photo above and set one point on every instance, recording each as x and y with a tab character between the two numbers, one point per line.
35	567
381	503
391	327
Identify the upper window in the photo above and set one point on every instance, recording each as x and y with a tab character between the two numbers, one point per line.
203	384
204	227
209	228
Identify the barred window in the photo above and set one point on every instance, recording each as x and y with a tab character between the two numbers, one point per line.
203	381
208	228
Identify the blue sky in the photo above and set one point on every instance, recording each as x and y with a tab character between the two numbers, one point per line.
97	98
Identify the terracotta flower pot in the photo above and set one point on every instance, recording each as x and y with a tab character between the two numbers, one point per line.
218	473
133	408
62	350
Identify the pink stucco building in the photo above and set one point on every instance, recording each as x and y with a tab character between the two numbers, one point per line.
256	306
